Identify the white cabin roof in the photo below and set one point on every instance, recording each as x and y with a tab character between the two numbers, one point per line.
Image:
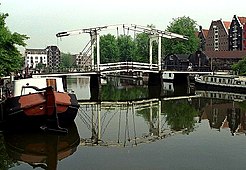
56	82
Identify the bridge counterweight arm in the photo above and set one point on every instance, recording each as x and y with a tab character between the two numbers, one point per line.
81	31
153	31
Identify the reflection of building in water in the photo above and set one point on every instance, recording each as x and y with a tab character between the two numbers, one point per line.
167	86
225	115
82	82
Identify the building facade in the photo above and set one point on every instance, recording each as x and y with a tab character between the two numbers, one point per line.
83	60
202	35
217	38
237	34
54	57
50	57
223	60
35	56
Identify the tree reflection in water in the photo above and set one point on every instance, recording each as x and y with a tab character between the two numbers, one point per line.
180	114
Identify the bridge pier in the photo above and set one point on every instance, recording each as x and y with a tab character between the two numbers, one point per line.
95	87
155	84
155	79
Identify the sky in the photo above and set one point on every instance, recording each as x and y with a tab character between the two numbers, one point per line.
41	20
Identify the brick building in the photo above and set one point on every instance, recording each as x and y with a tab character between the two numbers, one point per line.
217	38
202	35
54	57
83	60
237	34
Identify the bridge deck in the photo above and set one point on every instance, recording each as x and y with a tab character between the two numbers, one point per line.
121	67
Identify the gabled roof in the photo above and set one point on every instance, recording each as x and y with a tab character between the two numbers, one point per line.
226	54
180	57
35	51
205	32
227	24
183	57
242	20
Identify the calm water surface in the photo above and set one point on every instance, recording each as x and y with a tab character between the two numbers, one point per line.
133	129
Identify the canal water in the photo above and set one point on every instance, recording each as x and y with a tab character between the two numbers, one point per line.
130	126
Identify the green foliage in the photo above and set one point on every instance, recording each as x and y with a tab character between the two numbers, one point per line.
180	115
240	67
5	161
109	51
142	48
10	57
184	26
67	60
40	66
126	47
111	92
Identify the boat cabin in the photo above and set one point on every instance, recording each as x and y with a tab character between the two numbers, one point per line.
233	80
55	82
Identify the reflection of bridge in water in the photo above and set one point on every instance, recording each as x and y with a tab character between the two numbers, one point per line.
126	123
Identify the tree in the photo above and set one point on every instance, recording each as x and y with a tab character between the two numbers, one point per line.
142	47
126	47
109	51
240	67
40	66
10	57
67	60
184	26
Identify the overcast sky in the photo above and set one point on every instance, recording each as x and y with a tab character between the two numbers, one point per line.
42	19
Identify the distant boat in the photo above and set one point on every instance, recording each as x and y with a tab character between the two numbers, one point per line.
231	83
39	102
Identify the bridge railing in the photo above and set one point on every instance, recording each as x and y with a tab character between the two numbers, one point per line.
128	65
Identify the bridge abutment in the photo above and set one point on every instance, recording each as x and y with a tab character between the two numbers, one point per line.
155	83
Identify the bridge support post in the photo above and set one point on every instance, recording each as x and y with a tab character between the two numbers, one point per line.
95	87
156	38
155	84
95	42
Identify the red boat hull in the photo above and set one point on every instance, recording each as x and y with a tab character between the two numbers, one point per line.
36	109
